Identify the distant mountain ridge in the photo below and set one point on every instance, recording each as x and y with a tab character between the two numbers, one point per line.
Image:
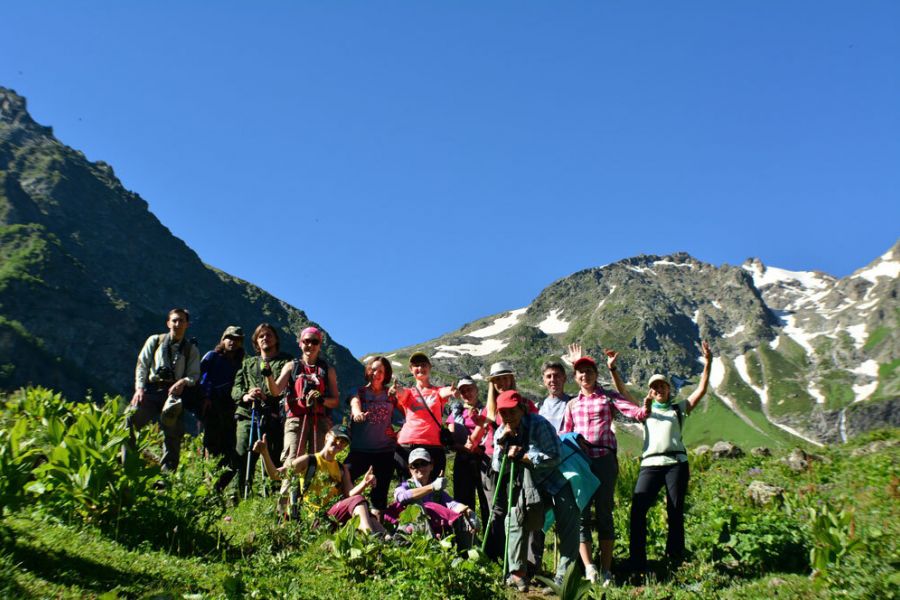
797	353
87	272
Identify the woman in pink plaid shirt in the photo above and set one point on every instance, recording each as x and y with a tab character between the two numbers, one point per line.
590	414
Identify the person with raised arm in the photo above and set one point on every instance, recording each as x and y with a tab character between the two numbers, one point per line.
590	414
323	473
664	460
423	407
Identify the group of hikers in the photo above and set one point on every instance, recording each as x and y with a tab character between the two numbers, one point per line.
518	467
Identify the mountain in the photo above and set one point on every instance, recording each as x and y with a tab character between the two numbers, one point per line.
87	272
797	354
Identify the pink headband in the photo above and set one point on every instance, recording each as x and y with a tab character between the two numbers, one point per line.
312	331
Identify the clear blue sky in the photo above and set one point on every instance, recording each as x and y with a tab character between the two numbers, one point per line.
419	165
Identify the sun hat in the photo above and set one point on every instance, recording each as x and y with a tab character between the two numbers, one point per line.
171	410
500	368
464	381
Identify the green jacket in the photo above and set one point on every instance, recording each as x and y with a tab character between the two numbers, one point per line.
249	376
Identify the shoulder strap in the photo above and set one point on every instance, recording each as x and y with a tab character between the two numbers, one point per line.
679	415
427	409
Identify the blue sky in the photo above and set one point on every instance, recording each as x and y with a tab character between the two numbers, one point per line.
419	165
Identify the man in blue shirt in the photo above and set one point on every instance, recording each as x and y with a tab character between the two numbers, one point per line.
553	408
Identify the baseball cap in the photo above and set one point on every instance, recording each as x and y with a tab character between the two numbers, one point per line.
419	454
658	377
339	431
419	357
233	331
585	360
509	399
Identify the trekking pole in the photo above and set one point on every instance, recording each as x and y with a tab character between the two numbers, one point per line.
315	431
509	494
249	451
301	441
490	519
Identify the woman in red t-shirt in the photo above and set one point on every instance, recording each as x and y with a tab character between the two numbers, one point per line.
423	407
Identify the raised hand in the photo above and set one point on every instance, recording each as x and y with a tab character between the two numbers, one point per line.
260	446
575	352
611	357
707	352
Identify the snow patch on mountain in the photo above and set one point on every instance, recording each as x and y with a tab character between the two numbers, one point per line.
499	325
642	270
488	346
553	324
740	365
763	275
798	334
885	266
863	390
734	332
673	264
611	290
858	333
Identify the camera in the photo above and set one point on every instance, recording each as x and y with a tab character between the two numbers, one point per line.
163	374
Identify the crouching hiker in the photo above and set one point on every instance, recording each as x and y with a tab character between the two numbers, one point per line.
322	469
167	365
529	449
444	514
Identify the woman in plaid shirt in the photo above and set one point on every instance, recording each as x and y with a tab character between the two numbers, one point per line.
590	414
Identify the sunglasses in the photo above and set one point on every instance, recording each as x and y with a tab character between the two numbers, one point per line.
310	341
419	465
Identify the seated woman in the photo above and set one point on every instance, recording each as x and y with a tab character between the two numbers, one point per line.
664	460
327	470
445	515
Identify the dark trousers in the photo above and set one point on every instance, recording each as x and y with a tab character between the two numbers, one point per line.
382	464
149	410
438	460
220	438
496	533
467	486
650	481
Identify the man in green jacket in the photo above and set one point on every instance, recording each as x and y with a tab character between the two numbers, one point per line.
250	392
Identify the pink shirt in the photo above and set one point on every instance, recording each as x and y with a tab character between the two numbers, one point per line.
591	416
420	428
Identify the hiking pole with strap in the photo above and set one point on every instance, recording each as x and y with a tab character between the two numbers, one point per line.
509	494
487	526
249	472
301	442
315	431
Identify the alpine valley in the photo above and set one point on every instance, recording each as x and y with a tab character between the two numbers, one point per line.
87	272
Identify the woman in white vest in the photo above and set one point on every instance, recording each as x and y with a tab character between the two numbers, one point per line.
664	460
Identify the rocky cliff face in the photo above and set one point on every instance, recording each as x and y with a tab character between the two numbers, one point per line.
88	272
793	349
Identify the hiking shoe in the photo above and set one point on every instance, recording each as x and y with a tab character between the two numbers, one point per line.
591	573
549	591
518	583
606	579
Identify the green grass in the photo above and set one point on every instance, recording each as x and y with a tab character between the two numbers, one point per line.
786	381
713	421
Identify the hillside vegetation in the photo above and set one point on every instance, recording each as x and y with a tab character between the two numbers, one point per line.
77	523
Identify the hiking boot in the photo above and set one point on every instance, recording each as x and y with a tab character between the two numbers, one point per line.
591	573
606	579
518	583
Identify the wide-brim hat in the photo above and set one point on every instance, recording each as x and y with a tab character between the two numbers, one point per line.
500	368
